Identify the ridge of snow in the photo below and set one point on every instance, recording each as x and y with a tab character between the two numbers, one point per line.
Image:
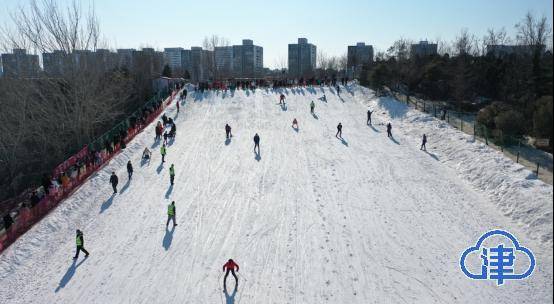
515	189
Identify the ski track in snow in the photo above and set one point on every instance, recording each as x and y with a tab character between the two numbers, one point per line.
314	220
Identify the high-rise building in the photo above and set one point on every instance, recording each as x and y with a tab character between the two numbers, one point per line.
148	61
502	50
19	64
125	57
358	55
244	60
200	64
423	48
55	63
224	61
173	58
302	58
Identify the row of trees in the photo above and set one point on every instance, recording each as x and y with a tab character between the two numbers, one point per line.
513	92
45	119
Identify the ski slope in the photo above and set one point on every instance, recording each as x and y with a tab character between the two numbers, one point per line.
312	220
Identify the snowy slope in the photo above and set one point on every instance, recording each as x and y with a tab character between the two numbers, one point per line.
314	220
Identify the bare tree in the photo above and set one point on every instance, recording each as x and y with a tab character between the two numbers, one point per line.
47	118
443	47
281	63
465	43
498	37
210	43
400	49
494	37
342	62
45	26
533	32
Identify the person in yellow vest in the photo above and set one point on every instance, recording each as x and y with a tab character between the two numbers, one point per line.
172	174
80	242
163	151
171	214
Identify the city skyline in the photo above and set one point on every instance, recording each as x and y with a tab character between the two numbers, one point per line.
331	26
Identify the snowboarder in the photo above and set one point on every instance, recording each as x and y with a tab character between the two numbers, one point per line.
163	152
369	112
171	174
228	131
229	267
257	143
389	130
312	107
80	242
171	214
423	143
129	169
295	123
114	180
339	131
282	99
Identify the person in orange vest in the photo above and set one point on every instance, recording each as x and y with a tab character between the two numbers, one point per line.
65	180
229	267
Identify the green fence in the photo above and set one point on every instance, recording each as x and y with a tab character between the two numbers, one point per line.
118	132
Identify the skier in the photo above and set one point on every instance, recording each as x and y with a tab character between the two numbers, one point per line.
295	123
282	99
257	143
177	103
185	93
171	214
228	131
165	138
423	143
171	174
338	90
114	180
164	119
163	152
389	130
229	267
312	107
339	131
369	112
80	242
129	169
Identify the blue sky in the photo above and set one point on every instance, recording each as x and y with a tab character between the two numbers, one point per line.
331	25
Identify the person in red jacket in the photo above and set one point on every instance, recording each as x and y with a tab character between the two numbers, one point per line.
230	267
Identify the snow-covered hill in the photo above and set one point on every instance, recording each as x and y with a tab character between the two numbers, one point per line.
312	220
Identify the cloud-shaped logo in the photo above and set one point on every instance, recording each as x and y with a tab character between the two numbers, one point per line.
498	263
